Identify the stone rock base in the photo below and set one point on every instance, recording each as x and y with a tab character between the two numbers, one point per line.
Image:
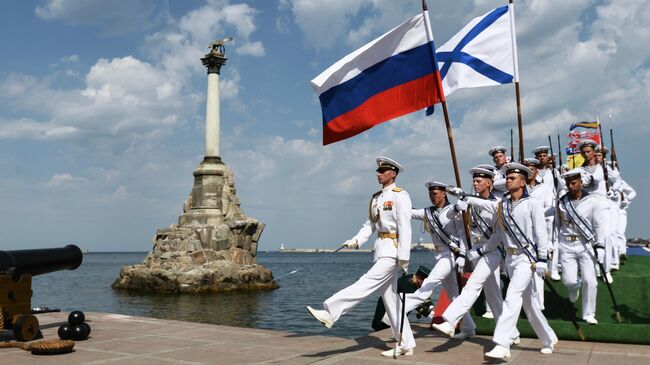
213	276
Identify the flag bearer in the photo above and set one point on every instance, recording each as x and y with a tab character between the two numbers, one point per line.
582	241
390	216
486	264
520	225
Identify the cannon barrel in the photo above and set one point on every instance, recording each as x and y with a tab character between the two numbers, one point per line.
40	261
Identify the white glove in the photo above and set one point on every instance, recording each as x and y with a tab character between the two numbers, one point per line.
455	191
351	244
541	268
472	255
600	254
461	205
404	264
460	264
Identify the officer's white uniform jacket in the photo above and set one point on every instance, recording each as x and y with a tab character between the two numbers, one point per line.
590	208
390	212
528	213
452	224
545	176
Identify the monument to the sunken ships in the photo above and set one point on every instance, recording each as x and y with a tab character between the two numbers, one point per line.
213	246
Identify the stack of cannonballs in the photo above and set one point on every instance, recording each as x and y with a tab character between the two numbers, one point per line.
76	329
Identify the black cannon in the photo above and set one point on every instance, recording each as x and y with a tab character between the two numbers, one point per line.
16	271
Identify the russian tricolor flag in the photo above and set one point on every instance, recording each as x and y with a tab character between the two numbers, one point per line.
393	75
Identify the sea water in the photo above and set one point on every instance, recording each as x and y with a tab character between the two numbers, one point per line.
317	276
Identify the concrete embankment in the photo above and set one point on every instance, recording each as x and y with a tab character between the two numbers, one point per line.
118	339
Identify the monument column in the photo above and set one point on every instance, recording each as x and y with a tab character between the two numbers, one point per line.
213	61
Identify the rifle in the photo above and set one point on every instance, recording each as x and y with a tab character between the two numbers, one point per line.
559	151
512	148
602	148
612	153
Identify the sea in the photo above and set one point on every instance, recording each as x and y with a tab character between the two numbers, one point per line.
304	279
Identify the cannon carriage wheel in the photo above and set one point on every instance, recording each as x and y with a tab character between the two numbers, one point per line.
26	327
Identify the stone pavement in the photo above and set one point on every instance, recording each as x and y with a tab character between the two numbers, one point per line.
118	339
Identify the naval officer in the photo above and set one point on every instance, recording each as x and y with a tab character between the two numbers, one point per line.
390	217
521	227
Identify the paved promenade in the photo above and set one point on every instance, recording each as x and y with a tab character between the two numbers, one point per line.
117	339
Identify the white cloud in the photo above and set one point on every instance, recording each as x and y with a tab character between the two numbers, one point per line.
113	17
64	179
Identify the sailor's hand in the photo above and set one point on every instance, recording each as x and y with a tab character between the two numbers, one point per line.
351	244
460	264
473	255
404	265
541	268
624	203
613	195
455	191
461	205
600	254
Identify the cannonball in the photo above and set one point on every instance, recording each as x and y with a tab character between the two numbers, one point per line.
79	332
65	332
76	317
87	327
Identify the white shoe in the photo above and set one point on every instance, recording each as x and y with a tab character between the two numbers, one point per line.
463	335
515	341
591	320
614	267
609	278
488	315
498	352
397	351
445	328
574	294
321	315
548	349
555	276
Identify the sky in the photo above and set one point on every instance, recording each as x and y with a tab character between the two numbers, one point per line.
102	111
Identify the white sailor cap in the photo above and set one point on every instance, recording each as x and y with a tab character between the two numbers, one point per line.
604	148
481	172
531	161
515	167
541	149
496	149
487	167
435	185
587	142
572	174
385	163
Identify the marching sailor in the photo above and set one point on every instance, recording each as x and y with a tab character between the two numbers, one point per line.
544	194
520	225
593	181
498	154
390	216
582	234
545	171
445	224
486	264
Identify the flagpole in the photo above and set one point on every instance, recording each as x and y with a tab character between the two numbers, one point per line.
513	37
450	137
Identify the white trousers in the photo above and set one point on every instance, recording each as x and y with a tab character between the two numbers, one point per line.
555	261
622	227
442	273
612	235
484	276
577	254
382	276
520	293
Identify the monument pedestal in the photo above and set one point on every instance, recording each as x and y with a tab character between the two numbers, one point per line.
213	247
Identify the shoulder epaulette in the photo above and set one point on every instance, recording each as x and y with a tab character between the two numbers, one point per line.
397	190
